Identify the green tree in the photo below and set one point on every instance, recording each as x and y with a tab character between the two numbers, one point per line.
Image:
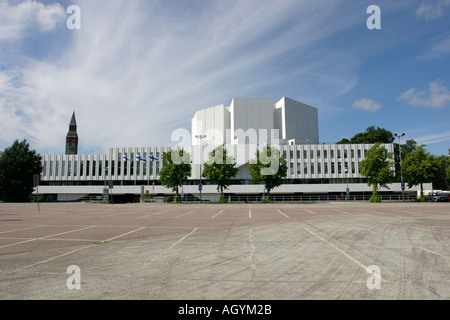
18	164
176	170
377	169
370	136
220	169
420	167
407	147
269	168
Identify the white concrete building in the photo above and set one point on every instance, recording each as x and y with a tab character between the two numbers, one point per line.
244	126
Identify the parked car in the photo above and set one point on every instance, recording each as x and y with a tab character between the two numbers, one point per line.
436	197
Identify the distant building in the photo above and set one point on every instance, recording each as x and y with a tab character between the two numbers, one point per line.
72	137
247	124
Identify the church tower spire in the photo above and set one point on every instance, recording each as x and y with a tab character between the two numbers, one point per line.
72	137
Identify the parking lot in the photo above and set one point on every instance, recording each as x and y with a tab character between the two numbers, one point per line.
327	250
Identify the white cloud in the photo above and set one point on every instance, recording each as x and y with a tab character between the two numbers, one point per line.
141	69
433	138
437	96
367	105
15	20
438	49
432	9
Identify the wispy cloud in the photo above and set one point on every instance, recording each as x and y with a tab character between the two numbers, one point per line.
434	138
143	68
367	105
437	96
432	9
440	48
15	20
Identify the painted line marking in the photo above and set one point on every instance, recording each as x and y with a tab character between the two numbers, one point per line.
250	214
23	229
283	214
47	260
341	251
217	214
311	212
119	214
119	236
173	245
41	238
435	253
152	214
343	212
185	214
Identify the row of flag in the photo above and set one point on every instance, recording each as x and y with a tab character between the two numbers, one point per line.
140	159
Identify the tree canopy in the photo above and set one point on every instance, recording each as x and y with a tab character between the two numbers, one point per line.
269	168
18	165
176	169
377	168
220	169
370	136
420	167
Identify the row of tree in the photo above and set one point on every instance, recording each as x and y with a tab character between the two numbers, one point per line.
418	167
18	164
268	168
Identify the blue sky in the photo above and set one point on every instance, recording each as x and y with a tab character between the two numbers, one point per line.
138	70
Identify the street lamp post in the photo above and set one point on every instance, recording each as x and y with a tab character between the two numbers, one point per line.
347	190
401	167
200	186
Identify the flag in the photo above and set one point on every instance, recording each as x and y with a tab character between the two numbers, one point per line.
139	159
153	158
126	159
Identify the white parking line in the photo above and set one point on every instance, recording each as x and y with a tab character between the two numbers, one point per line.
435	253
119	236
185	214
311	212
339	250
49	236
47	260
153	214
217	214
283	214
250	214
23	229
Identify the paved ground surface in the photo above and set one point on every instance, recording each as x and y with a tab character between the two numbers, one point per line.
233	251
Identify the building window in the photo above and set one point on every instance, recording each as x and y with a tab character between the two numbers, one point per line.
305	168
69	169
298	168
51	168
113	167
339	167
94	166
345	154
56	169
339	154
81	168
305	154
353	153
353	168
298	154
312	168
311	154
319	168
325	154
333	168
75	169
359	153
332	154
291	168
326	168
63	169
